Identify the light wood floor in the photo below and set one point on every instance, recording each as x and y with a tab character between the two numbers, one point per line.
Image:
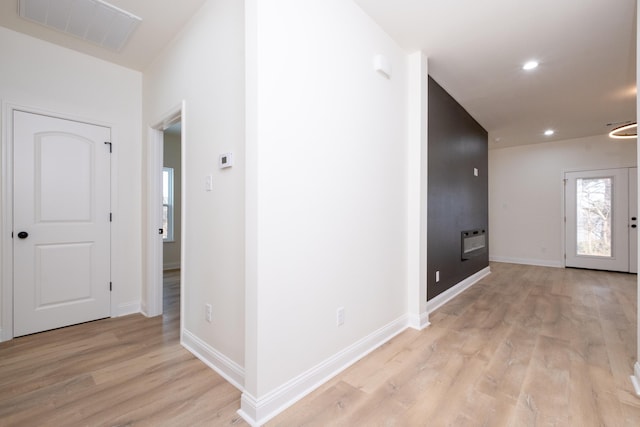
113	372
527	346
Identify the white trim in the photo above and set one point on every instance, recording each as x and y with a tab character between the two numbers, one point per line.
217	361
526	261
441	299
6	213
562	219
258	411
419	322
6	205
635	378
127	308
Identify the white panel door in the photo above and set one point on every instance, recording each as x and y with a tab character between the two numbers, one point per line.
633	220
61	222
597	221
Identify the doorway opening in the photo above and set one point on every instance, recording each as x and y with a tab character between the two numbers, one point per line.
165	208
171	218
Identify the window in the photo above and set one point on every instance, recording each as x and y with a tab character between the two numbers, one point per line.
594	216
167	204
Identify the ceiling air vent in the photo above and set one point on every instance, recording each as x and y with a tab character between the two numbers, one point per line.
92	20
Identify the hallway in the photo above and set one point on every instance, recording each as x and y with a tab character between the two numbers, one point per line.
526	346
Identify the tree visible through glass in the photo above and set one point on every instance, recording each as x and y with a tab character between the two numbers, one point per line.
593	217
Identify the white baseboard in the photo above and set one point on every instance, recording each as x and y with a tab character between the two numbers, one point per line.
525	261
635	378
419	322
217	361
171	266
449	294
143	309
256	412
127	308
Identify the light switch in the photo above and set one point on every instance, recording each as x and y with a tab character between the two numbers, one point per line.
208	183
475	171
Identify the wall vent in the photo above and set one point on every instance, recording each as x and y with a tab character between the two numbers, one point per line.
95	21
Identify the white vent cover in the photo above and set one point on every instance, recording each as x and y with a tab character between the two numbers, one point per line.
91	20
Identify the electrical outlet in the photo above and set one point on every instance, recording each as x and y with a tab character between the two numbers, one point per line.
437	276
340	316
208	312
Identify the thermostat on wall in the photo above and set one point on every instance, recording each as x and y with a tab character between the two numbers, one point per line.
225	160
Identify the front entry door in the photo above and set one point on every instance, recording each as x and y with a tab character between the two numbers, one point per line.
598	222
633	220
61	222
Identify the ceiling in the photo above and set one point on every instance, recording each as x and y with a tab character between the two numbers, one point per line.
161	21
586	50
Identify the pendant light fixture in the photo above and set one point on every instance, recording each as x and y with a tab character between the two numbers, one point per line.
628	131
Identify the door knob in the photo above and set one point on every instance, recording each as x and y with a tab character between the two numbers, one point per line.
633	226
633	218
23	235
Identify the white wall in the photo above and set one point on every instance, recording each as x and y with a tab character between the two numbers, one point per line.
172	159
39	75
526	194
204	67
326	186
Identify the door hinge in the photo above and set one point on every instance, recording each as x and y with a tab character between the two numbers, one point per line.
110	216
110	146
110	286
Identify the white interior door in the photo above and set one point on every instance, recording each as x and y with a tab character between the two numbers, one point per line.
61	222
633	220
597	221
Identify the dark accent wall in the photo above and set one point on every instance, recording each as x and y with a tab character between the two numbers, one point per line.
457	200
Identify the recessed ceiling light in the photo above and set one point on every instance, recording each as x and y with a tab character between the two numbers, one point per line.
549	132
530	65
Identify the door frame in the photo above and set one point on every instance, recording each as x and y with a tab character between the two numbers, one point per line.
6	204
152	303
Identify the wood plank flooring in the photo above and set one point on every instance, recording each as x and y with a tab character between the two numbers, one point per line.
527	346
113	372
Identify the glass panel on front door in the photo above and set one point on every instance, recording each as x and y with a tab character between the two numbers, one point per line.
594	216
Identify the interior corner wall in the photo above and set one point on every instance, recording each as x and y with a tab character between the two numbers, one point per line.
330	181
204	66
48	78
172	159
457	199
526	194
